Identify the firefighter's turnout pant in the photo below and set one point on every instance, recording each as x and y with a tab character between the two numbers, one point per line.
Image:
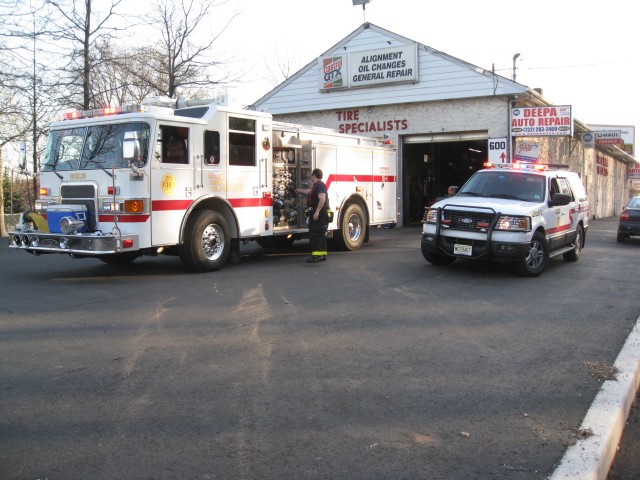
318	238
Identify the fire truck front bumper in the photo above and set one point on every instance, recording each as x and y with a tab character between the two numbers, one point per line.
81	244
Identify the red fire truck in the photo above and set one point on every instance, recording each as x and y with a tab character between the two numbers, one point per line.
197	178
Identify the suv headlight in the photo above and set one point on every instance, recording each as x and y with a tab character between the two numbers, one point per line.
514	224
430	215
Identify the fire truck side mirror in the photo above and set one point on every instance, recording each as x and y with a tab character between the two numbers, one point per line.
131	149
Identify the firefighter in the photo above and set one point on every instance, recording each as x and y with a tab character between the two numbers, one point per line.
317	204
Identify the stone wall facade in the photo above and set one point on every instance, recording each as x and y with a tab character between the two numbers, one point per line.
605	178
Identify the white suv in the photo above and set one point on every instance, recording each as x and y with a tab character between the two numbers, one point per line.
522	213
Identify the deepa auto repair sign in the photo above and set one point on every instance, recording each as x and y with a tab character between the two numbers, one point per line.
546	121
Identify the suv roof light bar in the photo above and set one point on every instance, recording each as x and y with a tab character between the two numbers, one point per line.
518	165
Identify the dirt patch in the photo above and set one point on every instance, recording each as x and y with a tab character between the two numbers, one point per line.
602	371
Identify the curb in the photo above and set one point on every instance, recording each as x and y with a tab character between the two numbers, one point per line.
591	458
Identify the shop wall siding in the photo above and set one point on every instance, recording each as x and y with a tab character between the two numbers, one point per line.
480	114
608	194
441	77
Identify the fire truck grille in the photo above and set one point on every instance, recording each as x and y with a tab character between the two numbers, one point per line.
78	191
468	221
81	195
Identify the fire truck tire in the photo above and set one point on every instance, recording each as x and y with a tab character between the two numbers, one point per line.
538	258
119	258
207	242
352	228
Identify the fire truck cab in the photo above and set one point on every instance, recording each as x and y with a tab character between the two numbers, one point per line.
197	178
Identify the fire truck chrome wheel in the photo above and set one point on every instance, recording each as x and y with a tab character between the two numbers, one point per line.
352	228
355	227
536	261
212	241
206	244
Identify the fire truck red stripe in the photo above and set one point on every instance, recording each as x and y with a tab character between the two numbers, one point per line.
164	205
250	202
359	178
158	205
125	218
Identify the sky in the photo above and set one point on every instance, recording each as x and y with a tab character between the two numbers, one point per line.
581	53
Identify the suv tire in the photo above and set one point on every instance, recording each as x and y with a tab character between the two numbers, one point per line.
538	258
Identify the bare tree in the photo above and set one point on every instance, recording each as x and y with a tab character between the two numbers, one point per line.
179	61
286	64
33	90
14	122
122	75
11	116
77	24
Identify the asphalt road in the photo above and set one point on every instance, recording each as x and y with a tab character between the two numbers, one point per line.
372	365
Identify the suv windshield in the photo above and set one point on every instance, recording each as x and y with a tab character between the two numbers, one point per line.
95	147
500	184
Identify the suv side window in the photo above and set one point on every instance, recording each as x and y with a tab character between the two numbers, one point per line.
564	186
559	185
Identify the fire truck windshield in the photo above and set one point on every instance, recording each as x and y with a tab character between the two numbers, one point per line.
95	147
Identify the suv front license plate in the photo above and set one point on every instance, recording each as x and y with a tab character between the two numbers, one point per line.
459	249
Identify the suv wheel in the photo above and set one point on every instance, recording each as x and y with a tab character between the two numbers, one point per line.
538	258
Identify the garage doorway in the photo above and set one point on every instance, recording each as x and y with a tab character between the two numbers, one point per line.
429	168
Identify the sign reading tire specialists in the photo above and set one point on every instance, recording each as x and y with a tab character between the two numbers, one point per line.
541	121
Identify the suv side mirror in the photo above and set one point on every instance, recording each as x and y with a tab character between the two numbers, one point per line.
559	200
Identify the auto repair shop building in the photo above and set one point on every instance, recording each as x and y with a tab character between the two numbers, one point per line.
446	117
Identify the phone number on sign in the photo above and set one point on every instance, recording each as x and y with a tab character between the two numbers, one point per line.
541	130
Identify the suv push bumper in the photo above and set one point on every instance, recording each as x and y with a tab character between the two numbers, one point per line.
496	250
78	244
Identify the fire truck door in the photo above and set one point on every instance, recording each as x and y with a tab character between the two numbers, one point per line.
249	175
172	184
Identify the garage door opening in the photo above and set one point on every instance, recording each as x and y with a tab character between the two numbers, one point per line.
430	168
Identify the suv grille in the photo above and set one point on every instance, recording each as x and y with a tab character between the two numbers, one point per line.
469	221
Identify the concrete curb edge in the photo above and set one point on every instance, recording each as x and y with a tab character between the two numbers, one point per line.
591	458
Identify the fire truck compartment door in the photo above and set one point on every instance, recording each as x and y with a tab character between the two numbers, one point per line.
384	187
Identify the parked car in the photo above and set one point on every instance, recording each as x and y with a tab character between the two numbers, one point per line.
629	222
